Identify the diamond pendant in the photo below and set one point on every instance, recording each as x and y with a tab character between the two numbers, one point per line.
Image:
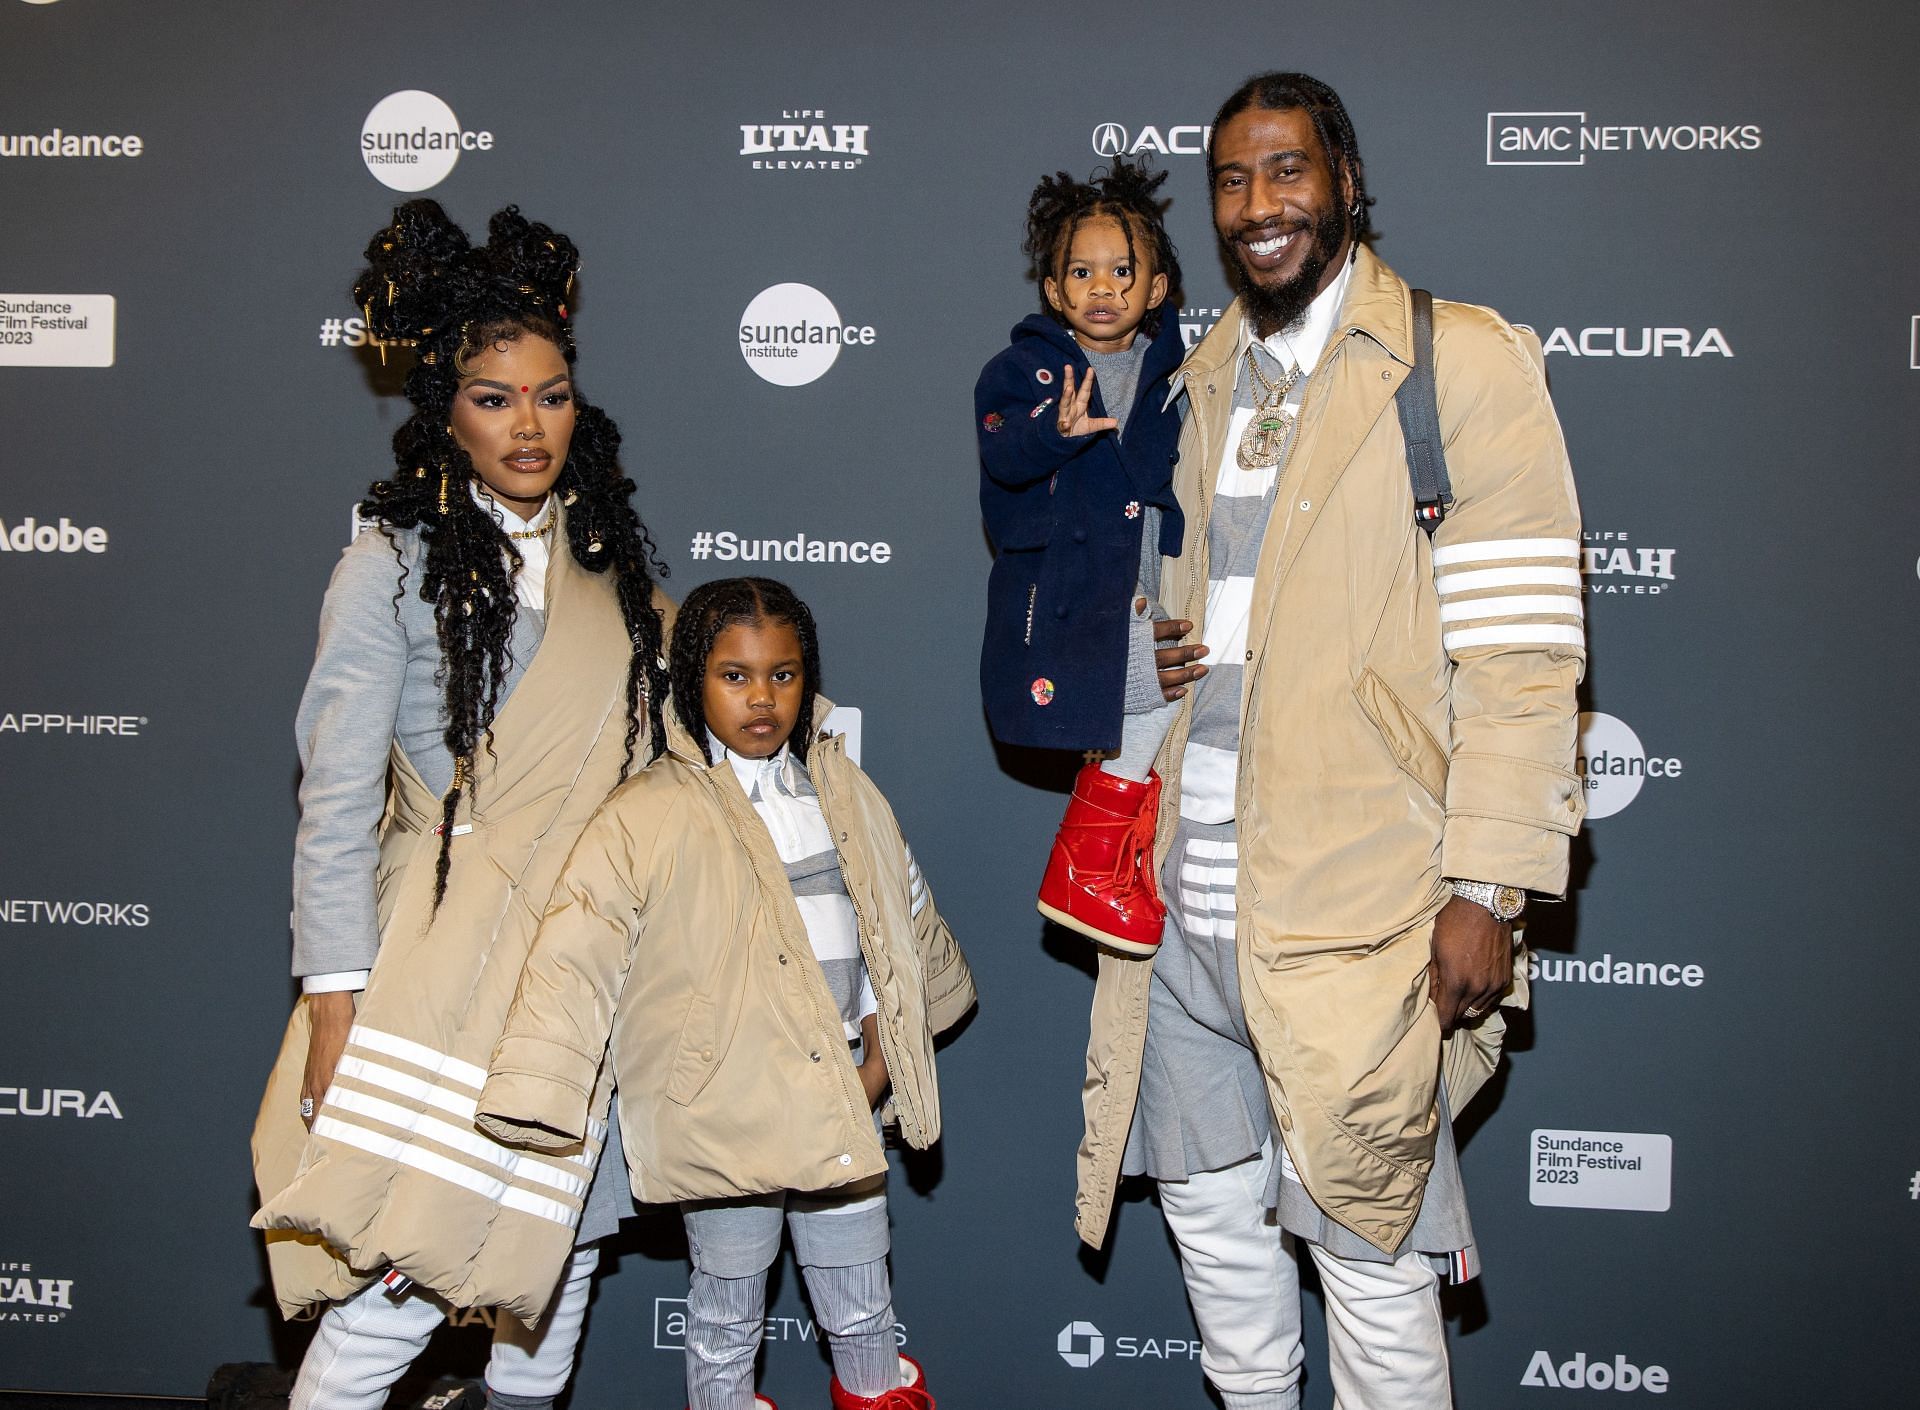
1264	439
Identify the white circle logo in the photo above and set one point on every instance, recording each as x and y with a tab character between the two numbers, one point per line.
1613	764
791	334
1109	139
1068	1344
411	140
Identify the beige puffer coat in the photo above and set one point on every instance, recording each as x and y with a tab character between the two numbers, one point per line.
674	933
1408	716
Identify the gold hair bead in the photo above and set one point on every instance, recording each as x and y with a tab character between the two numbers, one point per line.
378	342
445	478
593	546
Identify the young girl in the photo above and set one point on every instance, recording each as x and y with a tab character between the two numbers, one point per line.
489	666
746	924
1076	449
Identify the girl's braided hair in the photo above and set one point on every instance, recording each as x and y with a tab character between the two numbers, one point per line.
427	286
732	602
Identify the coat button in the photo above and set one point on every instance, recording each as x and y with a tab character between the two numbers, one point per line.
1286	1121
1079	535
1249	655
706	1055
845	1159
1061	611
813	1057
783	959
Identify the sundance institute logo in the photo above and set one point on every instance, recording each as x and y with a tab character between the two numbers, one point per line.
411	140
792	334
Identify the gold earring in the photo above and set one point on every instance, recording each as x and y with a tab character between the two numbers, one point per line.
446	478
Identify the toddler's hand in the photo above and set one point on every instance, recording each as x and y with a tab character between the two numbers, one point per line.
1072	418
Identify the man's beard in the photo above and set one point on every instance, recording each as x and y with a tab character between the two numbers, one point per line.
1271	309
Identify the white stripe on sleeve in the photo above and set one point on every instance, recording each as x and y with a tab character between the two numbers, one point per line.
1494	550
1518	634
1477	578
1548	604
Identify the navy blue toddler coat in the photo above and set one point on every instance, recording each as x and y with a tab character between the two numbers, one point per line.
1065	519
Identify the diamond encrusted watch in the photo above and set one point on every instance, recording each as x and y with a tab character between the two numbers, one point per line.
1506	902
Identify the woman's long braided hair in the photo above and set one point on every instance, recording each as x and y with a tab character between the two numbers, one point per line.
427	286
1129	193
733	602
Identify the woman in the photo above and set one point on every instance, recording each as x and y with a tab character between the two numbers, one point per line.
490	654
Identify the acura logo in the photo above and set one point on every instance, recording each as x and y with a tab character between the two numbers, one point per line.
1110	139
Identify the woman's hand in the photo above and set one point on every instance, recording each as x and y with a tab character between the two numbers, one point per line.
332	1017
873	1066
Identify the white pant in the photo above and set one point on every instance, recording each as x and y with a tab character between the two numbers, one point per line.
1386	1346
365	1344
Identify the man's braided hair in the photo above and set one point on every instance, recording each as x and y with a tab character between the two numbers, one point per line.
1287	92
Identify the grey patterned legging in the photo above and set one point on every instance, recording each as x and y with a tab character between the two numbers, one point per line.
840	1240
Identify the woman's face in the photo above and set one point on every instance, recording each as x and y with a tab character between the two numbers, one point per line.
513	416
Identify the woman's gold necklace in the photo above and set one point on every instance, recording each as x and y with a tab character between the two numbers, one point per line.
539	532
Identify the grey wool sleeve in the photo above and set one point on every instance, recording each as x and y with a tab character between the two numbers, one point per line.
345	732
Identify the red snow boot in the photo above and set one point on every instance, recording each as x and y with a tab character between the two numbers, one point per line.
910	1395
1099	878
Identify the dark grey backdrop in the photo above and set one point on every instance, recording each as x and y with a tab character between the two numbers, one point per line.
222	448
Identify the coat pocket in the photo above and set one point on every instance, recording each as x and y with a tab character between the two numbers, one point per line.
1419	755
700	1052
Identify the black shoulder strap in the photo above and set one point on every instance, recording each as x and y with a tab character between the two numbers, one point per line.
1420	424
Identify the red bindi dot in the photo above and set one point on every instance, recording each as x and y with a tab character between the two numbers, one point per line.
523	389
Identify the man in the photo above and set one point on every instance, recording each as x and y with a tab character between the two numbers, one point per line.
1374	768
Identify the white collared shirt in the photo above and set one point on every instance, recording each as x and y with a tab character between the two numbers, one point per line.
1209	773
530	580
783	796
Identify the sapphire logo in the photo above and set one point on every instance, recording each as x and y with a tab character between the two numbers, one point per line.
1080	1344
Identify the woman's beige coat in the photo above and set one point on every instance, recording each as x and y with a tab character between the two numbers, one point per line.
1375	761
394	1172
674	932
